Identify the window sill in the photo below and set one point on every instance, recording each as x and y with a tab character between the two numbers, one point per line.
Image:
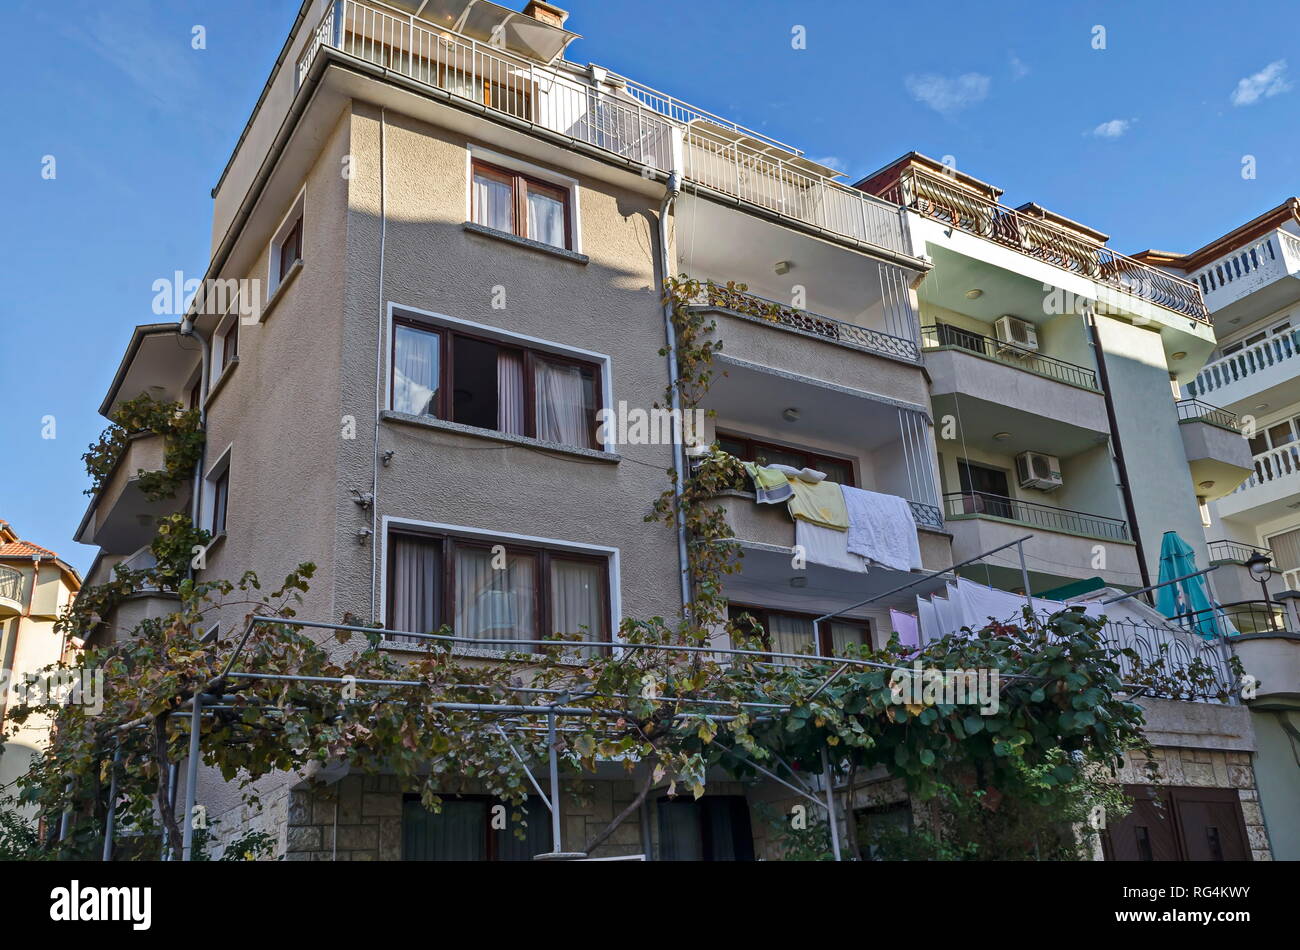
523	441
482	653
280	288
529	243
215	543
221	381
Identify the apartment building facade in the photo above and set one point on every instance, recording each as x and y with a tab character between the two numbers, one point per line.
1249	277
441	247
35	587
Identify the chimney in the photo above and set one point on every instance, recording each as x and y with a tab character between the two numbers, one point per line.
546	12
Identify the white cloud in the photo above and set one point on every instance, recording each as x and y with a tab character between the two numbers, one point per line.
945	94
833	161
1268	82
1018	69
1112	129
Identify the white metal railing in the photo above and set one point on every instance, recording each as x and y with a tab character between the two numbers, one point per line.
1244	363
628	119
1272	465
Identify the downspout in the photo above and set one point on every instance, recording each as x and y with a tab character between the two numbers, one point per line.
379	368
674	188
1130	510
187	328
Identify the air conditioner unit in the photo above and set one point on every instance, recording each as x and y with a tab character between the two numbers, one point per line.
1019	335
1036	470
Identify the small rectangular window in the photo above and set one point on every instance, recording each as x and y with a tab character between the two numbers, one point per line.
230	344
520	204
291	248
220	502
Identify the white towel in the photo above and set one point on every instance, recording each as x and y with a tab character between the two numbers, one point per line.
882	529
826	546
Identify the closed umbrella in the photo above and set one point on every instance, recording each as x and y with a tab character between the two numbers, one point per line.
1188	596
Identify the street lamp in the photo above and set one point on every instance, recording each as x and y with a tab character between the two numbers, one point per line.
1260	566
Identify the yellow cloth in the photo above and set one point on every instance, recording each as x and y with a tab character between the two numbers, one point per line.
821	503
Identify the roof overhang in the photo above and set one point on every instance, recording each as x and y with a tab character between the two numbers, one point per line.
155	359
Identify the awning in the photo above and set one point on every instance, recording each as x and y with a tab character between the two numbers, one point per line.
480	20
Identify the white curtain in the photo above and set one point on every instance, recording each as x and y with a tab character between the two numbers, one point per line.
494	603
417	583
493	203
545	219
510	392
844	635
578	599
565	399
415	371
790	635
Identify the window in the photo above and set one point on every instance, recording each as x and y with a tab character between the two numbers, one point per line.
984	490
712	828
754	450
463	830
220	502
286	246
788	632
489	385
490	591
230	344
520	204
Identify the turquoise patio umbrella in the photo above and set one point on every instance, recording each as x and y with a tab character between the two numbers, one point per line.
1188	596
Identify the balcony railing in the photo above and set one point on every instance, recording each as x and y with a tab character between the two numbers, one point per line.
933	337
937	197
1244	363
1031	513
11	583
1244	616
1209	678
928	515
1262	255
1233	551
625	118
1272	465
838	331
1189	409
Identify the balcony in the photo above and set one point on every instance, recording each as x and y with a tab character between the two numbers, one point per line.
1271	489
1067	545
1010	400
1264	372
120	518
1218	456
933	196
11	592
1251	281
601	110
1273	658
767	536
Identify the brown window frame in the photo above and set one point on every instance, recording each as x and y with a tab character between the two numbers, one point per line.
220	502
543	558
519	184
821	631
753	446
294	235
446	374
230	353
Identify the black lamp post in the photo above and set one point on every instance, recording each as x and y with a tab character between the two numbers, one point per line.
1260	566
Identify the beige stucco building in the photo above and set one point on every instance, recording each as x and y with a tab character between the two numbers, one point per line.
440	246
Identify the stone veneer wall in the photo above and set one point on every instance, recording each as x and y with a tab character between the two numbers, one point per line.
1209	768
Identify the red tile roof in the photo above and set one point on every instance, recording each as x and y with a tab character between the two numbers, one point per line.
25	549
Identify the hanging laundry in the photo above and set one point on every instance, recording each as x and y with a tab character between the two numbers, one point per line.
770	485
819	503
826	546
882	529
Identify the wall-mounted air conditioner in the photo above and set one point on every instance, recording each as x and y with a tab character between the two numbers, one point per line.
1019	335
1036	470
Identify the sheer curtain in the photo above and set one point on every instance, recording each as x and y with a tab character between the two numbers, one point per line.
494	603
415	371
790	635
493	202
565	399
417	586
844	635
510	392
578	599
545	218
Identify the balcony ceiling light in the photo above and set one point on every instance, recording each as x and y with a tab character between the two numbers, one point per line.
1002	436
791	414
1261	407
1180	355
798	582
782	267
1207	484
974	293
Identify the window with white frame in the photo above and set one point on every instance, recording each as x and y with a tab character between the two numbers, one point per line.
286	246
454	373
522	200
216	503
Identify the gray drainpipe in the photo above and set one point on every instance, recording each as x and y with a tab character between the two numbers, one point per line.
674	188
187	328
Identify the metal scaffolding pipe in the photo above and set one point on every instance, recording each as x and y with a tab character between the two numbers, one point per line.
192	776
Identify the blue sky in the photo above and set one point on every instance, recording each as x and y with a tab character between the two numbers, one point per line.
1143	139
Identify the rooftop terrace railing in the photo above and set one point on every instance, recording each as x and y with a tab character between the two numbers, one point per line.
940	335
937	197
622	117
